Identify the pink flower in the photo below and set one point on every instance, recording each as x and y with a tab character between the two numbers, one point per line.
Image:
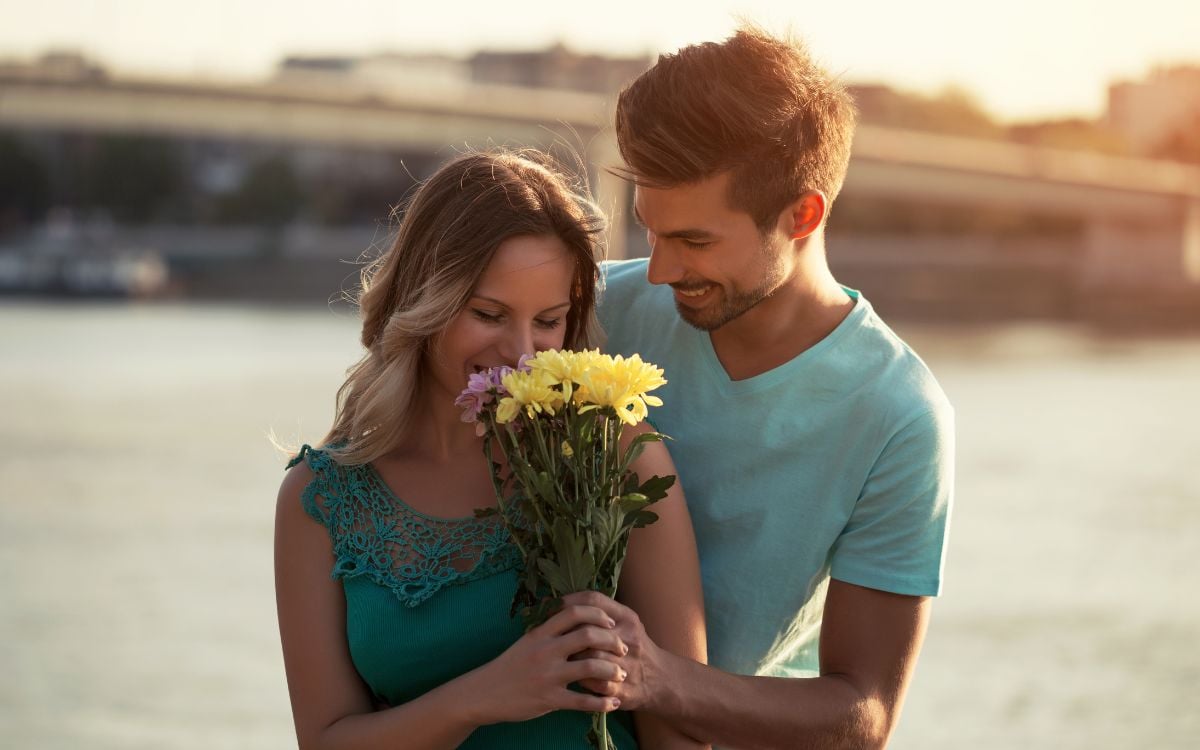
475	396
484	388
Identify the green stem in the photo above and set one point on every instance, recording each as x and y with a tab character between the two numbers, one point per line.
529	487
497	485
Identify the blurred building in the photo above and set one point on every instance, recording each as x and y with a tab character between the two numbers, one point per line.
558	68
380	73
64	66
259	190
554	68
1151	111
245	190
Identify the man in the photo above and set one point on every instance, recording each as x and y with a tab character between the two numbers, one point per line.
814	447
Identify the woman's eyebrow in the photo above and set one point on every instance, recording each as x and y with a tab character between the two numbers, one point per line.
498	303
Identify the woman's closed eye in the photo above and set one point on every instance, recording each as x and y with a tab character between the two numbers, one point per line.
486	316
548	324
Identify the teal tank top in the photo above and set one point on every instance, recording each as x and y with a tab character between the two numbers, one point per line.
428	599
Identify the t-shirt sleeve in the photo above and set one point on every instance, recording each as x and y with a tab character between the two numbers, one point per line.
895	539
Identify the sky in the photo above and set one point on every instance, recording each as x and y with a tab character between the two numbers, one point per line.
1020	59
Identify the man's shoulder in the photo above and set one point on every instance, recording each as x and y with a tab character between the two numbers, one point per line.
624	277
627	301
897	373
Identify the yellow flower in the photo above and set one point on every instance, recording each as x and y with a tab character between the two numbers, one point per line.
583	361
589	379
533	391
507	410
553	363
564	368
567	450
554	368
622	384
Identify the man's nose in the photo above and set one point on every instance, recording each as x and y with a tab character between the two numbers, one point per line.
664	267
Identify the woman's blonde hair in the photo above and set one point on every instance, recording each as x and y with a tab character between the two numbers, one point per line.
450	230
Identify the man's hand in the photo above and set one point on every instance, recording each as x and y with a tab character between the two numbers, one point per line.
645	664
869	645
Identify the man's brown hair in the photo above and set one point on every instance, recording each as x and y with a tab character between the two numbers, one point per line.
754	104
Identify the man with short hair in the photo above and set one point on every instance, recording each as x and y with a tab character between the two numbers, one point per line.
814	447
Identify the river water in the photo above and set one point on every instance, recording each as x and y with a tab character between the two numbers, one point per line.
137	488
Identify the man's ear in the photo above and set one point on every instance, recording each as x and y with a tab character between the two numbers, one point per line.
807	212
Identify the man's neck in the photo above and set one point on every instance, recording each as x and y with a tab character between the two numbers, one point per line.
778	329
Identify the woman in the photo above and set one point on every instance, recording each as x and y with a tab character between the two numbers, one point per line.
495	258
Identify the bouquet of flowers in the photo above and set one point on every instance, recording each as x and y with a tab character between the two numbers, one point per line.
565	488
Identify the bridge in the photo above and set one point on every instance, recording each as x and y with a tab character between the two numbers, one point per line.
1142	217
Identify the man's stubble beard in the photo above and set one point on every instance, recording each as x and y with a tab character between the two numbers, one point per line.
733	307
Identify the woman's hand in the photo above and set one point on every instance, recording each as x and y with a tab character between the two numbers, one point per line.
531	678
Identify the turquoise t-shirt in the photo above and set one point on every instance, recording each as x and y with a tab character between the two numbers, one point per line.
428	599
837	463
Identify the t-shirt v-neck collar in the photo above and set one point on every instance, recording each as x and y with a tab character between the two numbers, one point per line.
790	369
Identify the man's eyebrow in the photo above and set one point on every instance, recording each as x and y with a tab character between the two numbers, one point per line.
682	234
696	235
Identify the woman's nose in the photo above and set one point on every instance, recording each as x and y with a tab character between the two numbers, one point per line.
517	341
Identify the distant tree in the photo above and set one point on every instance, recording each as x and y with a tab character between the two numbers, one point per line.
1073	133
363	202
1183	144
858	214
348	194
270	195
953	111
24	184
136	178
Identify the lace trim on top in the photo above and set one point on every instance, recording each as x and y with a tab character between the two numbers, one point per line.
376	534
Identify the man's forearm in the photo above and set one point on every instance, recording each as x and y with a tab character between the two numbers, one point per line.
748	713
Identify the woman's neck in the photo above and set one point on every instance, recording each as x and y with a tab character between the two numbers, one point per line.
437	432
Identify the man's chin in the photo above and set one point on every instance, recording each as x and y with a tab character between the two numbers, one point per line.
714	316
702	320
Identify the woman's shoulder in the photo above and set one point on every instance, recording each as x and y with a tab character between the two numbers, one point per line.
312	483
296	477
652	450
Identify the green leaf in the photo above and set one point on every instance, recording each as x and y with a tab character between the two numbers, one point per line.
555	576
647	437
631	483
641	518
632	502
636	446
544	486
574	561
655	488
604	527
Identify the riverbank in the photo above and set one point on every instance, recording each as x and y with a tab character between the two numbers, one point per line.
138	498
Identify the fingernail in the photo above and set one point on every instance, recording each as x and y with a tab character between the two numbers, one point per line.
612	623
624	649
624	674
616	703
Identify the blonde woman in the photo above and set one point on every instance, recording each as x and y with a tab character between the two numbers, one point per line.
391	593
